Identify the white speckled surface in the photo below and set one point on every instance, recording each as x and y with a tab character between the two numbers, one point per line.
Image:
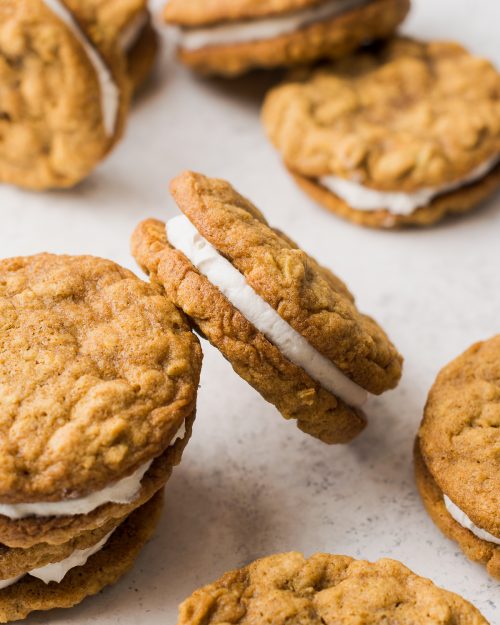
250	483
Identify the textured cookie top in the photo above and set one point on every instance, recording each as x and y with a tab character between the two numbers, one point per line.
313	302
97	370
400	116
52	128
460	433
325	590
192	13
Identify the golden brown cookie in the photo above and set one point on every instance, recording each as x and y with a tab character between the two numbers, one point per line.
325	590
103	568
98	371
400	133
56	530
99	375
458	452
142	53
55	130
231	38
290	327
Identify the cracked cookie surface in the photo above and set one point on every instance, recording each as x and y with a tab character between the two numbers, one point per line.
459	435
399	116
51	127
325	590
98	371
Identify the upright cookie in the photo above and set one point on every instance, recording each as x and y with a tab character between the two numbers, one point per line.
99	375
68	70
288	326
230	37
402	133
458	453
325	590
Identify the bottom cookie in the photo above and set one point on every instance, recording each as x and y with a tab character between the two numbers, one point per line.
474	548
457	202
102	569
327	590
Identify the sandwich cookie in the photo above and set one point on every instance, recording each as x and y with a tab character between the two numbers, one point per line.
402	133
65	583
457	453
231	38
288	326
328	590
68	72
99	375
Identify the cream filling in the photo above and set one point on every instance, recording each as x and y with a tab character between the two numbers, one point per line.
362	198
232	284
133	30
124	491
110	94
56	571
266	28
462	519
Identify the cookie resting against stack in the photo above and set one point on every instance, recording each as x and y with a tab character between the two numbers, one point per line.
287	325
457	453
231	37
68	72
99	375
325	590
402	133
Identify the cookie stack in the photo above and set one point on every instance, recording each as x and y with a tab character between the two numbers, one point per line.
99	375
68	71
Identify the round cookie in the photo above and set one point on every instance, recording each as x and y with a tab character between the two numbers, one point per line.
297	333
56	530
102	569
99	373
327	590
458	453
231	38
55	130
399	134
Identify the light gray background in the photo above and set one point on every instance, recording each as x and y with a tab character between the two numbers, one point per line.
250	483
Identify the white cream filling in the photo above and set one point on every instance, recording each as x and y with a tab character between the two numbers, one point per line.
124	491
56	571
133	30
462	519
221	273
362	198
266	28
110	94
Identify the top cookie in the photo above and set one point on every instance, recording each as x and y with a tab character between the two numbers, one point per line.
401	116
325	590
98	372
459	437
303	293
205	12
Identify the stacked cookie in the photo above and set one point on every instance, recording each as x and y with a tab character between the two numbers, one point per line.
287	325
402	133
99	374
232	37
68	71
